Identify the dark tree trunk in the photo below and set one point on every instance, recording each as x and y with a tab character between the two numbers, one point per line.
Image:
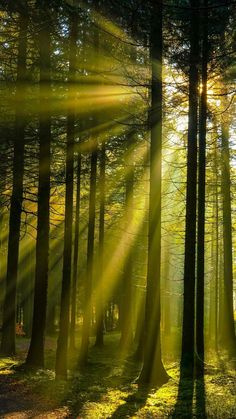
100	293
153	371
216	311
87	315
202	193
62	343
76	255
35	357
9	306
3	176
187	358
228	330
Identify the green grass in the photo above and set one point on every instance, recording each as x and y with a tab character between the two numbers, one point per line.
107	387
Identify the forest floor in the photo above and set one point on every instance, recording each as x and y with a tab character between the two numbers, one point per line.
107	389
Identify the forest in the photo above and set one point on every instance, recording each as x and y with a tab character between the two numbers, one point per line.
117	209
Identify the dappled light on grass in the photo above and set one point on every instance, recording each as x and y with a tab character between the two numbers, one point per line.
107	388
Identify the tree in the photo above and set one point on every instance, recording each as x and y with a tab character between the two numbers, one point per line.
100	294
187	356
153	371
35	357
9	306
228	331
87	315
127	285
202	190
62	343
88	288
75	257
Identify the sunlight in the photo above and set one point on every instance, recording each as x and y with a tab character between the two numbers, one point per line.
117	209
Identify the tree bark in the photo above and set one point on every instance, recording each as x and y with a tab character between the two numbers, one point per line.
202	192
35	357
127	294
76	256
167	300
215	291
228	330
100	294
9	306
187	356
87	315
62	343
153	371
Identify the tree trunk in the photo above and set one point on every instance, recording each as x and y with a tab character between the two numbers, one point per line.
87	315
153	371
126	293
35	357
62	343
100	294
3	211
9	306
75	258
202	192
187	356
228	331
221	292
213	304
215	300
167	290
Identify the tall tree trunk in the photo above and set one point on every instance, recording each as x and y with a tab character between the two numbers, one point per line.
3	177
126	321
127	309
187	357
35	355
213	304
221	292
139	333
153	371
100	294
9	306
87	315
167	299
216	316
228	330
214	286
76	255
202	192
62	343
